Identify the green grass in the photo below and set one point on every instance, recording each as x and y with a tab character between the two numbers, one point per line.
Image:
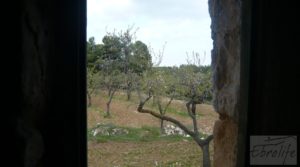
143	134
177	112
98	110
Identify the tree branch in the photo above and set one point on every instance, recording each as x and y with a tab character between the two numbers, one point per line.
170	101
208	139
142	103
141	110
189	109
192	114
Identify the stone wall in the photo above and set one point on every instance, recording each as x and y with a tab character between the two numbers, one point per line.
226	26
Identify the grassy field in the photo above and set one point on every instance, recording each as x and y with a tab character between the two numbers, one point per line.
143	146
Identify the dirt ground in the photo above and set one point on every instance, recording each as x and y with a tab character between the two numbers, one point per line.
124	114
144	154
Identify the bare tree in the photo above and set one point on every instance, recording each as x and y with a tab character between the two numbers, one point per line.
191	107
111	80
112	83
191	83
92	83
159	88
194	58
162	110
158	56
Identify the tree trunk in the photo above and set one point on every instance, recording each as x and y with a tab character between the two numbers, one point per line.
203	144
112	92
108	109
109	92
195	125
206	156
108	106
128	94
162	129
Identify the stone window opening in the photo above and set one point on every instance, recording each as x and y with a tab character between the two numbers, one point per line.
229	63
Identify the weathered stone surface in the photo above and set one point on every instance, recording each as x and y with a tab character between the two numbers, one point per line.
225	142
226	26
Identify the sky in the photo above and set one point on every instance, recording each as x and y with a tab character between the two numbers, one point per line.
183	26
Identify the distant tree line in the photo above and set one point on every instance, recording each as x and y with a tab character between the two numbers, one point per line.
116	63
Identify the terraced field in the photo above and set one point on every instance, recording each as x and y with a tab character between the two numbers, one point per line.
140	150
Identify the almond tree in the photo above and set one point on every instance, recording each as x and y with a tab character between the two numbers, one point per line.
112	82
194	133
93	52
189	86
162	91
92	83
